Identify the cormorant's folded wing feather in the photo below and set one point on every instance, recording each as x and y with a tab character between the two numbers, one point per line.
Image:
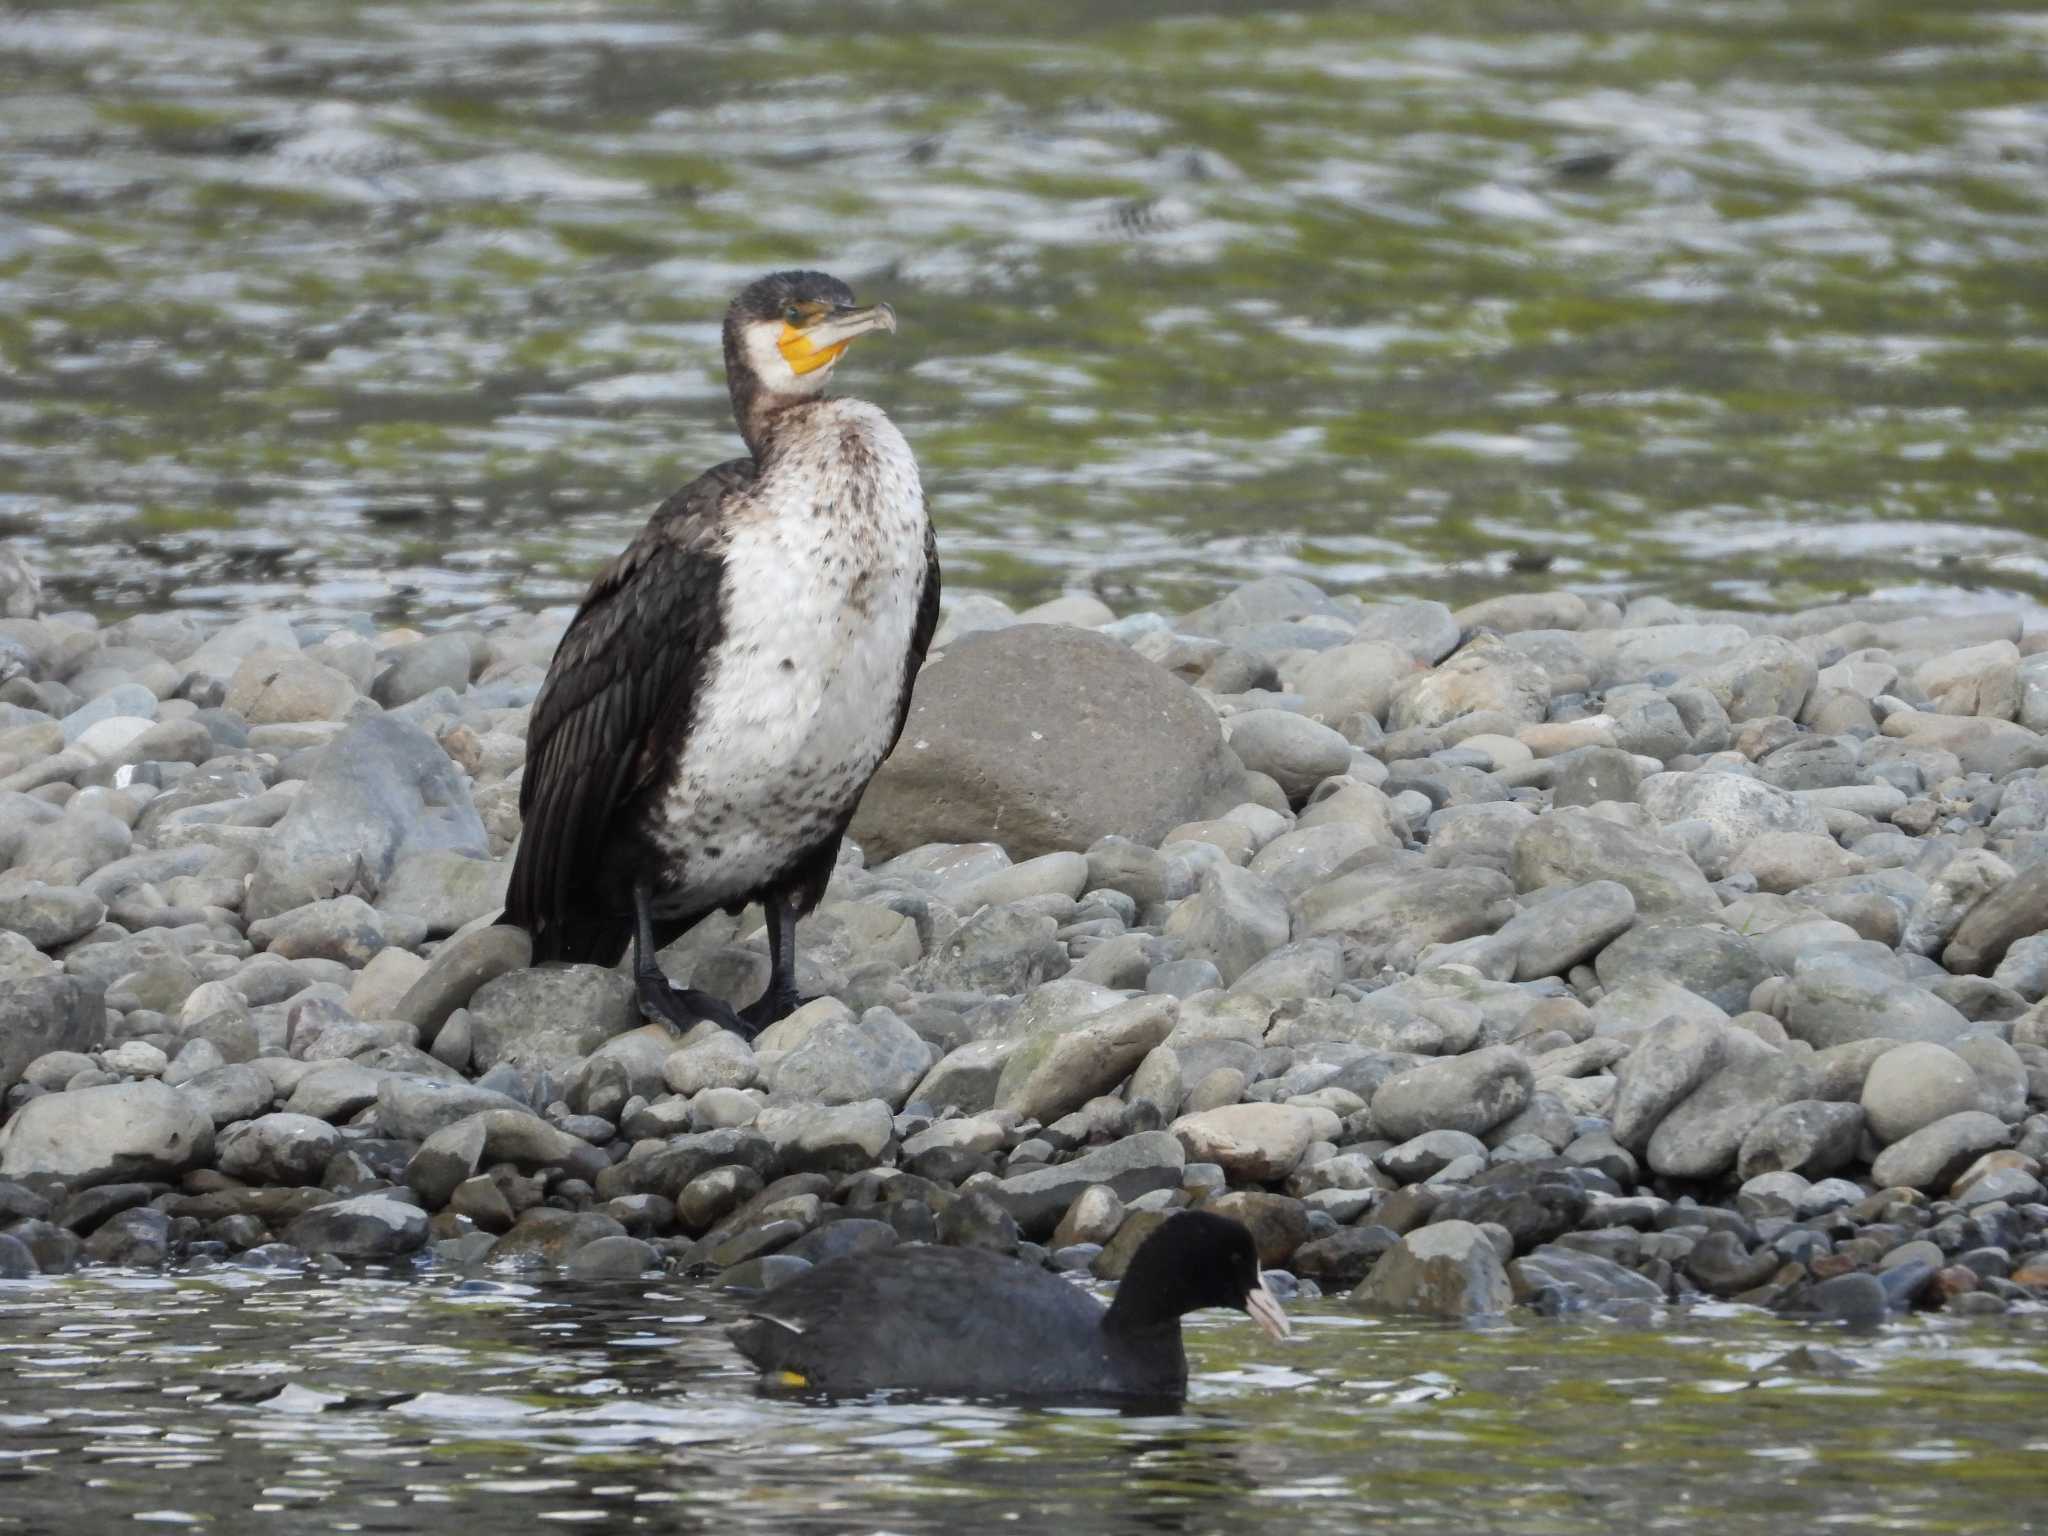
921	632
619	691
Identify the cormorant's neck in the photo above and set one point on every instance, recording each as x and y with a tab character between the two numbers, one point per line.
759	411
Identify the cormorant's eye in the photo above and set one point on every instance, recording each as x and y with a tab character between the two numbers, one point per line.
793	315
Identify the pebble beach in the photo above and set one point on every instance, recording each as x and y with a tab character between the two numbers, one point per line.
1545	954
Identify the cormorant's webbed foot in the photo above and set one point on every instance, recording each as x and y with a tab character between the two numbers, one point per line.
683	1008
778	1002
661	1000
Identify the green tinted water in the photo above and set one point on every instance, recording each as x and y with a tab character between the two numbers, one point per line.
469	1408
413	307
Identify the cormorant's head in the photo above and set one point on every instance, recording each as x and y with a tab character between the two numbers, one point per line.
788	329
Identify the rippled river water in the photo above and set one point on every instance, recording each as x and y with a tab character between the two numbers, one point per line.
413	307
473	1407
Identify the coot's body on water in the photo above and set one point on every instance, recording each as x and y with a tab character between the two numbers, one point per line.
956	1322
735	677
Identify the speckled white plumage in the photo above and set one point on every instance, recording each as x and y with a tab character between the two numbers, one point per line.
824	563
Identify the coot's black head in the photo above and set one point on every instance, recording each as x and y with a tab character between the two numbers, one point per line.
786	330
1195	1259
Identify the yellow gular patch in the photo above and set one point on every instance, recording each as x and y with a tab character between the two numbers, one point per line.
801	356
791	1379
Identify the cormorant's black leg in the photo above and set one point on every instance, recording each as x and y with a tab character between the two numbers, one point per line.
661	999
780	999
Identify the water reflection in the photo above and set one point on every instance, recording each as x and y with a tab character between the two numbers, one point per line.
231	1400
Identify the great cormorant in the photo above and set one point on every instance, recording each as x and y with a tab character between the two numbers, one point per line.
734	678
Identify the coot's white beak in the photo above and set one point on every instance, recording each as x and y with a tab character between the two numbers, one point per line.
1267	1312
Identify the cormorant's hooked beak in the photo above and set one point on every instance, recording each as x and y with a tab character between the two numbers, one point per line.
1267	1312
821	342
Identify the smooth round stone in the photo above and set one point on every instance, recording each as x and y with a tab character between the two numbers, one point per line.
1296	752
613	1258
109	738
1914	1086
1183	978
124	701
1781	1185
136	1058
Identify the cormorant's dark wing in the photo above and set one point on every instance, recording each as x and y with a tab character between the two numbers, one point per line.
921	633
618	694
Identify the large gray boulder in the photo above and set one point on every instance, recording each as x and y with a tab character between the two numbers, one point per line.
1043	737
384	790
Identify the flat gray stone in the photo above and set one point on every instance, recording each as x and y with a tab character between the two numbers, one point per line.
1134	1166
1254	1143
1736	808
1836	998
49	915
40	1014
550	1017
1705	959
413	1108
1664	1065
1931	1157
119	1132
1471	1093
1558	931
1701	1137
277	1149
1575	847
457	970
1809	1137
830	1139
997	950
1057	1071
237	1091
1768	676
383	789
1234	920
838	1059
367	1227
443	889
1387	917
2015	911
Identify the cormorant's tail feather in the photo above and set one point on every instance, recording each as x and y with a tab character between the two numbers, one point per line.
599	939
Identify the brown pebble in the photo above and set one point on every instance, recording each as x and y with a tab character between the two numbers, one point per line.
2033	1274
1990	1162
1953	1281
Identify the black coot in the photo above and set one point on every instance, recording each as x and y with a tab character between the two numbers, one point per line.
963	1322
